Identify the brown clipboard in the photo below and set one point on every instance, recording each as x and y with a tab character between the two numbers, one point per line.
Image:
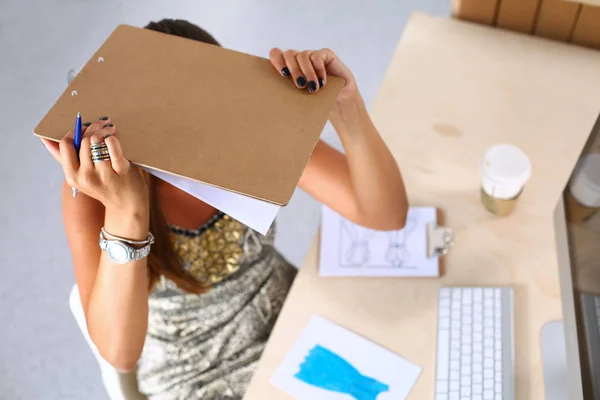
199	111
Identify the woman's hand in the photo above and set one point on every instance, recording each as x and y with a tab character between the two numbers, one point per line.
310	68
117	184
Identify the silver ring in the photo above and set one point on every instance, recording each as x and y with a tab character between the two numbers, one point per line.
99	152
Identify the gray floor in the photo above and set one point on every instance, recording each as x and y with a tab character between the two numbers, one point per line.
42	354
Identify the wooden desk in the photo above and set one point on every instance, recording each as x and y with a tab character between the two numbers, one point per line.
452	90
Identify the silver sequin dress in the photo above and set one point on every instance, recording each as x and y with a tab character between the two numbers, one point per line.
207	346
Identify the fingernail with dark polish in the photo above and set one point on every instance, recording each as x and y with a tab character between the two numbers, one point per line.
312	86
87	123
107	135
108	125
321	82
285	72
103	118
301	81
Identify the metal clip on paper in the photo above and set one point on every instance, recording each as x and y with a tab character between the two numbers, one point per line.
439	240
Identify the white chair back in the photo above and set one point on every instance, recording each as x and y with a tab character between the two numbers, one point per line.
119	386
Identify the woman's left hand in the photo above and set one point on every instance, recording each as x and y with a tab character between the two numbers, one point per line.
309	70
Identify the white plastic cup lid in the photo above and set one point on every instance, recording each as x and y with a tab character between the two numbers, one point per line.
585	184
505	169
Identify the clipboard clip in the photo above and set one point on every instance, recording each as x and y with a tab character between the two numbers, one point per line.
439	240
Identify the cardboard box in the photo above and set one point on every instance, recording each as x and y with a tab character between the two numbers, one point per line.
518	15
557	19
480	11
587	29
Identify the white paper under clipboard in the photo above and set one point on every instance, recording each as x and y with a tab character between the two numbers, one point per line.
348	249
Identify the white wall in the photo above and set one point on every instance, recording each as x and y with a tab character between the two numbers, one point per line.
42	354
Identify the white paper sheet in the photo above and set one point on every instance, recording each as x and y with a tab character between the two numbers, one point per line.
254	213
348	249
368	358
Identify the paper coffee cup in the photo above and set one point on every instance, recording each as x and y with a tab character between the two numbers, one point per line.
583	198
505	169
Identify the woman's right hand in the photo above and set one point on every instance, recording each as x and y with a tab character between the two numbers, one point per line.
116	183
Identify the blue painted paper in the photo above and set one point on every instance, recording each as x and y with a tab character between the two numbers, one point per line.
327	370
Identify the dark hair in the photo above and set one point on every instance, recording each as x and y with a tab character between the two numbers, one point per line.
183	28
162	259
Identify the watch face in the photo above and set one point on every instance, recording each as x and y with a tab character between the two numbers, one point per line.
117	252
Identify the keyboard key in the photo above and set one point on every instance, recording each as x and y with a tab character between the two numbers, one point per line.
488	374
478	368
454	365
488	395
465	381
497	293
465	370
465	349
488	363
454	386
455	345
477	378
465	360
488	384
477	388
477	397
454	355
454	396
488	292
467	295
441	386
444	324
498	365
488	353
465	391
442	354
444	293
498	388
441	396
498	376
454	375
477	294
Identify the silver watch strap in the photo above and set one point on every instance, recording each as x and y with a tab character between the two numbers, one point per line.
138	254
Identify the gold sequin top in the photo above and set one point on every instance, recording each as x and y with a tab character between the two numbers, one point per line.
212	252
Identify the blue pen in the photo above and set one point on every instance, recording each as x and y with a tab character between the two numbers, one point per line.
77	142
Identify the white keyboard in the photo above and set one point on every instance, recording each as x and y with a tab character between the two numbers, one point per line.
475	351
590	307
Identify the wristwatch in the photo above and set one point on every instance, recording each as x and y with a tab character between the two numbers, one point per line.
121	250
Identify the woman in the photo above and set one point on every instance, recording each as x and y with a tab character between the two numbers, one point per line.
195	314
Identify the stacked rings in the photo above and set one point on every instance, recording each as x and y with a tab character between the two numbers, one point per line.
99	152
